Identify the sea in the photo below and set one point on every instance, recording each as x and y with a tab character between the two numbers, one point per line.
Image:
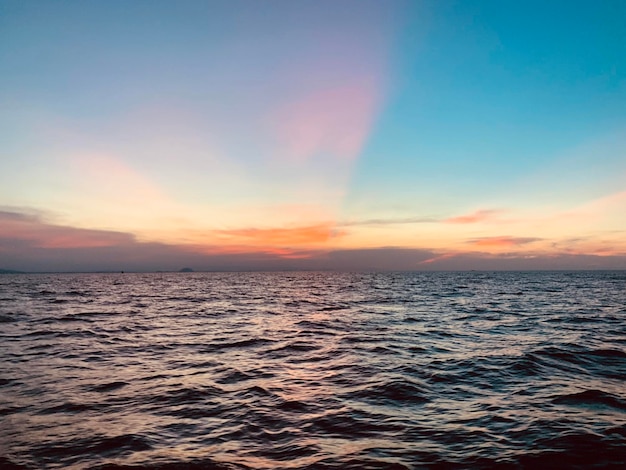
313	370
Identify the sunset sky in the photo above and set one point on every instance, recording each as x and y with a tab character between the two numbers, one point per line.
227	135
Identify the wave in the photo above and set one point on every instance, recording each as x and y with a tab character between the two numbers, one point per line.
593	399
308	371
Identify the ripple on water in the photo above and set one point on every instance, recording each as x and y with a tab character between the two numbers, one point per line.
313	371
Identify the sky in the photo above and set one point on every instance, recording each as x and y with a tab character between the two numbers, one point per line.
326	134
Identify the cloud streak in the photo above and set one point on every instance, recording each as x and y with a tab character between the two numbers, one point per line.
502	241
389	221
487	215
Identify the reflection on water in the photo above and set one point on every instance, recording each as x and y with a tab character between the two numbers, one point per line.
313	370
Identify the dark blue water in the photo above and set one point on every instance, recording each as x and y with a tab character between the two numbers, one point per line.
313	370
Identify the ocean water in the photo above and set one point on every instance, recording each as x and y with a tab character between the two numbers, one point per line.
313	370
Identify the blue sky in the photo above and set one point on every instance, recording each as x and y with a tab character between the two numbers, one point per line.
487	92
463	132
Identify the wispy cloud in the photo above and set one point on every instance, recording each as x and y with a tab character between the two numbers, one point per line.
474	217
502	241
389	221
604	244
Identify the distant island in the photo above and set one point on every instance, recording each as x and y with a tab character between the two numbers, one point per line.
9	271
186	270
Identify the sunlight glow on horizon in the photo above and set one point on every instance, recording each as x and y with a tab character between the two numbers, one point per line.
296	129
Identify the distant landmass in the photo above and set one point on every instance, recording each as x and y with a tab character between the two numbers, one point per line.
9	271
186	270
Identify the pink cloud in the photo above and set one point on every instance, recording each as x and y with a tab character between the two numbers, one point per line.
474	217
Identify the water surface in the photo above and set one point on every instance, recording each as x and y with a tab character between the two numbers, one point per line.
313	370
